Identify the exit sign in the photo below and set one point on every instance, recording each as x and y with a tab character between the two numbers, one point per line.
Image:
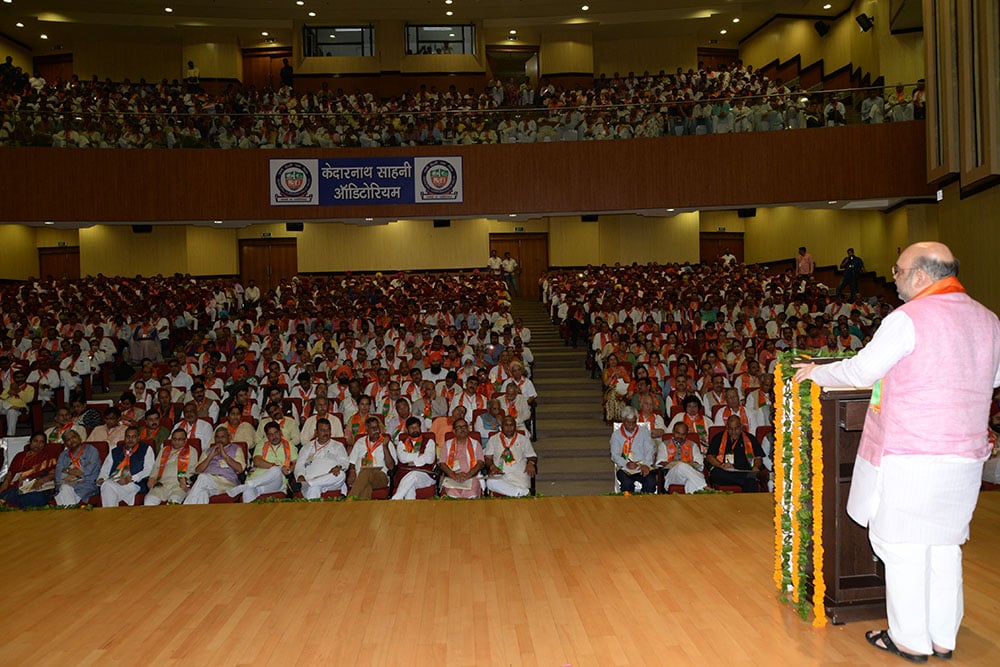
62	244
720	229
519	229
265	235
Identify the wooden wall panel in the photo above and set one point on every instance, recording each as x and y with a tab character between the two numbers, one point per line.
691	172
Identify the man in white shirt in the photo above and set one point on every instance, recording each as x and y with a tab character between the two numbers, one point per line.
72	370
511	460
322	411
322	463
632	453
510	268
370	461
417	458
683	461
494	263
125	470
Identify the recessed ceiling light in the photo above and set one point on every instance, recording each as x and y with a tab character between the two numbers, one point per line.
168	9
833	201
736	20
217	222
451	34
585	8
447	2
513	32
312	13
449	13
19	24
827	6
333	37
512	215
723	32
670	210
300	2
264	33
369	219
44	36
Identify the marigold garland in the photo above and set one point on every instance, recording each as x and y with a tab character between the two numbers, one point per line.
798	492
819	580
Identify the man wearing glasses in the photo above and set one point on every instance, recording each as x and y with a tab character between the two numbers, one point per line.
933	364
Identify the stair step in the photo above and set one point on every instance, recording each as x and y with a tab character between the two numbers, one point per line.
593	465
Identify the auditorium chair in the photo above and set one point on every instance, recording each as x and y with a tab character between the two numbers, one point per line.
102	448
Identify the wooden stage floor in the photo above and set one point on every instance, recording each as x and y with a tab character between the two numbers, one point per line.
678	580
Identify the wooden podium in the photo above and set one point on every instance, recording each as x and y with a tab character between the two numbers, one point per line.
855	578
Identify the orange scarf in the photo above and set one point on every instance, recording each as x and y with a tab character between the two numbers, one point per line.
369	458
287	448
627	445
685	450
949	285
124	466
507	455
452	454
183	457
747	447
696	426
410	444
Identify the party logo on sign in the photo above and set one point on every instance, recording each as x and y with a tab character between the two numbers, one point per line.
293	181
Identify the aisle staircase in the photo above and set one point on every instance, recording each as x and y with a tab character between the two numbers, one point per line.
572	446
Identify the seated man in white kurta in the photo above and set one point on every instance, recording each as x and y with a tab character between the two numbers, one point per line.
219	468
417	458
322	463
125	470
510	459
169	481
682	459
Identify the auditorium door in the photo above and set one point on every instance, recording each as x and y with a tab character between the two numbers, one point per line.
59	263
268	261
261	67
531	250
714	244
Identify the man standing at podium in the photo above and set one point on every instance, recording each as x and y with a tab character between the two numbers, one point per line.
933	364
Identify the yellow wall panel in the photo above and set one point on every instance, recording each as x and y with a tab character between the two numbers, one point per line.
49	237
17	249
115	250
624	54
222	60
211	251
563	52
969	227
119	60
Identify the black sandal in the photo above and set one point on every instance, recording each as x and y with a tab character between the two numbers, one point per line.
888	646
944	655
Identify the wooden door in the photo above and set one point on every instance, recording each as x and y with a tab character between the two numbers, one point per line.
532	254
268	261
54	67
262	66
59	263
714	244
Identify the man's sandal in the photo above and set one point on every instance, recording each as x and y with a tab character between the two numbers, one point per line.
887	645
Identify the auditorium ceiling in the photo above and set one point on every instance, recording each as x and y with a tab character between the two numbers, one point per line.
64	22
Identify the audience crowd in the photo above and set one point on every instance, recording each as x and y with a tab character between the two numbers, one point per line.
688	352
360	385
75	113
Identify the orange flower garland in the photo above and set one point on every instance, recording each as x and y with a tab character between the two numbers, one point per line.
815	444
796	488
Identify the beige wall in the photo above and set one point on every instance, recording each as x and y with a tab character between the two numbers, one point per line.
115	250
624	54
135	60
215	60
776	233
21	57
899	58
50	237
20	258
566	51
211	251
969	227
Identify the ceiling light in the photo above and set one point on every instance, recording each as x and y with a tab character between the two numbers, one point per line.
19	24
512	215
217	222
369	219
670	210
827	6
264	33
8	1
832	201
513	32
168	9
300	2
449	13
44	36
723	32
736	20
451	34
312	13
447	2
333	37
585	8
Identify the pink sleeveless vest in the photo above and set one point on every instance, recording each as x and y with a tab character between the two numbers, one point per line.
936	400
